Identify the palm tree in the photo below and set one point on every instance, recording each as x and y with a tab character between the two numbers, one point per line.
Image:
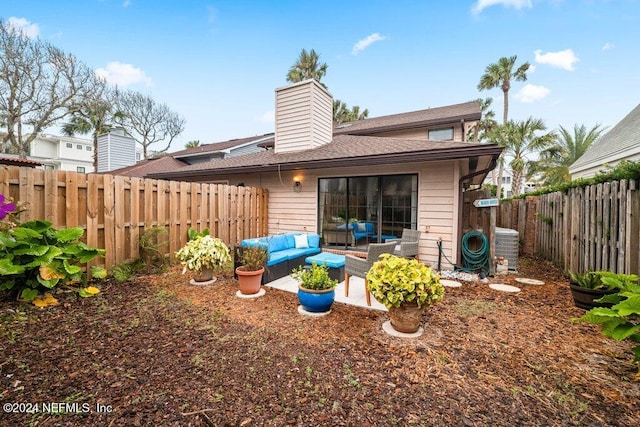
192	144
567	147
342	113
500	74
94	116
481	129
520	139
307	67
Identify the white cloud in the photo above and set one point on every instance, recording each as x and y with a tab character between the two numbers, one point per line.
563	59
123	75
268	117
516	4
608	46
531	93
28	29
366	42
532	69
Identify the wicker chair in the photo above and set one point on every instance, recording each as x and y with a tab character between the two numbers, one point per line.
359	267
408	246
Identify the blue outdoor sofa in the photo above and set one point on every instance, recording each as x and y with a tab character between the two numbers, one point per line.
284	252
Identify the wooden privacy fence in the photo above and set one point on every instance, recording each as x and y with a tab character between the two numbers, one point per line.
115	210
596	227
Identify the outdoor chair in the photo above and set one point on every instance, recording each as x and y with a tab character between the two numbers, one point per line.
408	245
359	267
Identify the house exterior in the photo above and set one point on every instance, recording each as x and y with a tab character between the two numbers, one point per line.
63	152
385	171
622	142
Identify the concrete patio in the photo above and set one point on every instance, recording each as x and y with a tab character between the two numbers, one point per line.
356	291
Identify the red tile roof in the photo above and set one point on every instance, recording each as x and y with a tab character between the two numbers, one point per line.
16	161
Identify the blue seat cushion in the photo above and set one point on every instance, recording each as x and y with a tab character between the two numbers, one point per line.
331	260
314	240
276	258
296	253
278	242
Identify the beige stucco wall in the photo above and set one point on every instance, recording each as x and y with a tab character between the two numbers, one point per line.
437	193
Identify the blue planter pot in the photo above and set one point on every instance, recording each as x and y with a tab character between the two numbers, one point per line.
316	301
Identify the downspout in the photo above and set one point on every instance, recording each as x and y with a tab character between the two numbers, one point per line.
492	165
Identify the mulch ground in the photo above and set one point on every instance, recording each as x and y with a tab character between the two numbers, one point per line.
157	351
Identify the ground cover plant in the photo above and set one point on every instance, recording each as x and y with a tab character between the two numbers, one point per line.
157	351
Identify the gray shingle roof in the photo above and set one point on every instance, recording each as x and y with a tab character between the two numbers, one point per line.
218	146
623	137
344	150
149	166
448	114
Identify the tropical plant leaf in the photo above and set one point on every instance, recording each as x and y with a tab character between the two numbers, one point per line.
88	254
6	284
71	269
34	250
65	235
48	272
98	272
597	315
622	332
629	306
51	283
24	233
7	267
28	294
37	225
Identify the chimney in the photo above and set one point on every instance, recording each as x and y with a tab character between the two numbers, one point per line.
304	117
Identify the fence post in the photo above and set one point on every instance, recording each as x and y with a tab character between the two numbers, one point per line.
633	229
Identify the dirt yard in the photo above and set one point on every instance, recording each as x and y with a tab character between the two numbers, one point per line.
157	351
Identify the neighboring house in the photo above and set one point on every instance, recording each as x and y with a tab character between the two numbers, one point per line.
383	171
116	149
622	142
63	152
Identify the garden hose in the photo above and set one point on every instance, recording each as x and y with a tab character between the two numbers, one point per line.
478	259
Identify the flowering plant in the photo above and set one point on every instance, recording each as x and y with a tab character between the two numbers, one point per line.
203	252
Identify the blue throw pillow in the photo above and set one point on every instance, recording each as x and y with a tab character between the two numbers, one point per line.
314	240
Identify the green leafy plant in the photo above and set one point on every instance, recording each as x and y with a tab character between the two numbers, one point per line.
193	234
394	280
622	320
589	280
316	277
203	252
253	258
152	241
34	255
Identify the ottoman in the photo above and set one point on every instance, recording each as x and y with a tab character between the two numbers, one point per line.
333	261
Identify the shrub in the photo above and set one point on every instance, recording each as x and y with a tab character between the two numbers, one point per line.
203	252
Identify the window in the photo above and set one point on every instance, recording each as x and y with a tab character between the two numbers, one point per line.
506	180
69	145
80	169
89	148
444	134
49	167
79	146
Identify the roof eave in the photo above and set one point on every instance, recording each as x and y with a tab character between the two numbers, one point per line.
370	160
412	125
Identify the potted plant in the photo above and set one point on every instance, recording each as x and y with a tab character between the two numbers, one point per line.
253	260
203	255
316	290
588	287
406	287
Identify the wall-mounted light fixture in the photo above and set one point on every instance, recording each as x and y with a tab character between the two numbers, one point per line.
297	184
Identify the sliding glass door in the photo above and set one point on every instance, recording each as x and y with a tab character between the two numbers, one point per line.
356	211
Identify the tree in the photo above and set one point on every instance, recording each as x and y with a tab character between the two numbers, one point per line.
481	129
566	148
500	74
342	113
96	116
307	66
39	85
520	139
147	121
192	144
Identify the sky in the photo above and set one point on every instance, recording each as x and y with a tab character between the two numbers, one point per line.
218	63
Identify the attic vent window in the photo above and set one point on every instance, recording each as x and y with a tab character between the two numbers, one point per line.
443	134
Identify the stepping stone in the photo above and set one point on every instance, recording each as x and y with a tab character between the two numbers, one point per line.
526	281
249	296
387	328
504	288
450	283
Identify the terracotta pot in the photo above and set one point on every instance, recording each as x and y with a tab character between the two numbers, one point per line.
249	281
203	275
406	318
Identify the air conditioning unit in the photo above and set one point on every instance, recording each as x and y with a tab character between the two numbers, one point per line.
507	246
